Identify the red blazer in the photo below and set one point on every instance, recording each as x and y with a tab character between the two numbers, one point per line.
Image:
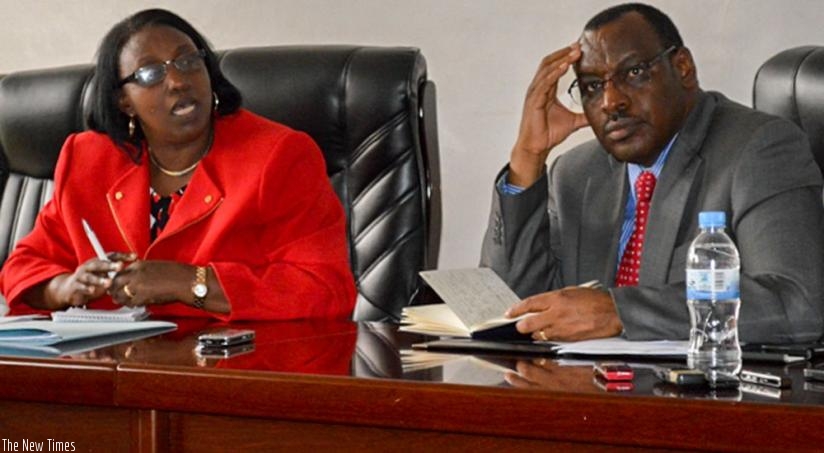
259	210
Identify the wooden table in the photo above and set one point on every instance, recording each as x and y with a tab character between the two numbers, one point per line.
337	385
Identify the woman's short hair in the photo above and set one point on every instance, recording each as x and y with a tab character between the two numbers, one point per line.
106	116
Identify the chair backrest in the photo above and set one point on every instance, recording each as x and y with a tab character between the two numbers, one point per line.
371	110
791	85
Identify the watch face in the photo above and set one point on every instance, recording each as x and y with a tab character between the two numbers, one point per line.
200	290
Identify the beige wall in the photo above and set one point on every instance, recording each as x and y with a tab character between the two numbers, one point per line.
481	54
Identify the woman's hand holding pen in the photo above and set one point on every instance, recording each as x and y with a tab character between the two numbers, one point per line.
88	282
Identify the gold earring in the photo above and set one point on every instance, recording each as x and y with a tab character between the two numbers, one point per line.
132	127
217	101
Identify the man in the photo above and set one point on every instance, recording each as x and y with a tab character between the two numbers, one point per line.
694	151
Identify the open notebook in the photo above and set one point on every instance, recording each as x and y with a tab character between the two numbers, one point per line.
475	301
474	304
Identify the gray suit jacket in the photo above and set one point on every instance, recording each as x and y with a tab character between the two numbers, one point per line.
755	167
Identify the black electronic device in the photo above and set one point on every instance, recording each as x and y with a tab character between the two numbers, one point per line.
226	337
762	378
681	376
223	352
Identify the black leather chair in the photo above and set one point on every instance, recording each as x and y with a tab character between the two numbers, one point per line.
371	110
791	85
38	109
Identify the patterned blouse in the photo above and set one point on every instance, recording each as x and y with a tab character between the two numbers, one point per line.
161	209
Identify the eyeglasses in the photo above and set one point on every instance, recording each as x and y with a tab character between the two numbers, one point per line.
152	74
586	90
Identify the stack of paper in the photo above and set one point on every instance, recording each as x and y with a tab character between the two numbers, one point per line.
619	346
49	338
613	346
81	314
28	336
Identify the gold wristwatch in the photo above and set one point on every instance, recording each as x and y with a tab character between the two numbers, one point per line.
199	287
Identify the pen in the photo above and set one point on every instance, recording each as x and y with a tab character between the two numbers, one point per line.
98	248
808	351
767	356
594	284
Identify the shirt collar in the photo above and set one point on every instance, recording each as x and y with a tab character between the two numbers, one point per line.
634	170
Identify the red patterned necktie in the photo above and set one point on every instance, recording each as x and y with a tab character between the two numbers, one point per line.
631	260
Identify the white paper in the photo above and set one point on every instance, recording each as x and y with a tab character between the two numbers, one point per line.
621	346
8	319
477	296
50	332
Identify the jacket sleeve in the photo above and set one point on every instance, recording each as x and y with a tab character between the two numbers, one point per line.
306	269
519	240
47	250
777	221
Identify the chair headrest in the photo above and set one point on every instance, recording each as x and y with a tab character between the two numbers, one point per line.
791	85
327	89
38	109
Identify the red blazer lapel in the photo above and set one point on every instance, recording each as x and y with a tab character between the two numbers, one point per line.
128	200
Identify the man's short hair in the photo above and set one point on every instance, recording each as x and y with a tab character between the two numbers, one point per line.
660	22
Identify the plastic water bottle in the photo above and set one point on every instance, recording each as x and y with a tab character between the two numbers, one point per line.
713	299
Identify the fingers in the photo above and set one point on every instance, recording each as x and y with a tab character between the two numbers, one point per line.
561	58
514	379
531	304
94	276
91	278
77	300
551	69
539	324
84	288
122	257
101	267
545	122
123	292
544	90
530	374
540	334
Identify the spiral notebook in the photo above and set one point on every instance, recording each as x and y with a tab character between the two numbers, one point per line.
81	314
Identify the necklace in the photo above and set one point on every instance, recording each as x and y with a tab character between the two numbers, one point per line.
187	170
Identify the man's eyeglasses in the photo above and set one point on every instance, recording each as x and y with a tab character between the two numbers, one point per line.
586	90
152	74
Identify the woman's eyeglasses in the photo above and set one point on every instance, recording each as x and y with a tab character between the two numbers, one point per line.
152	74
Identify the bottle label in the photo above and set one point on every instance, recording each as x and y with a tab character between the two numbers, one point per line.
719	284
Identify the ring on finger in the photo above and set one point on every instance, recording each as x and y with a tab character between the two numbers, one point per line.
128	292
542	335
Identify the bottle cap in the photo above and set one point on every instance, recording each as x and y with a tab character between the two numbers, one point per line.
708	219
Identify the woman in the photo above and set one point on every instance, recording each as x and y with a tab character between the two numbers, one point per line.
209	209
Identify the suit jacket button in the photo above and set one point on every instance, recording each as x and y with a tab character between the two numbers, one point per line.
208	199
118	195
